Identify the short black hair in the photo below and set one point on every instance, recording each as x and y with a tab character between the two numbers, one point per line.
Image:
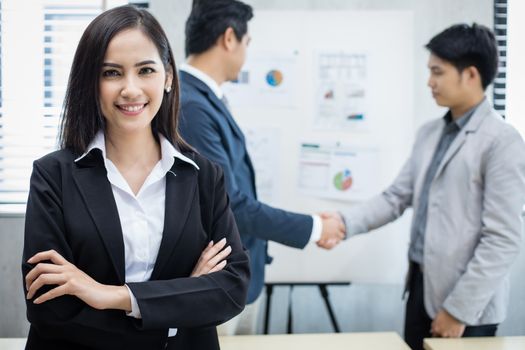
209	19
466	45
82	116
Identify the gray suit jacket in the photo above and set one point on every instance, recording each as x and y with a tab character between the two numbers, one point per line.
474	225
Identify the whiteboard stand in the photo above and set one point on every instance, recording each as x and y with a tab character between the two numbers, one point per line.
324	294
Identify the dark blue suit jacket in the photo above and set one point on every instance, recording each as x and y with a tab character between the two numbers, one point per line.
208	126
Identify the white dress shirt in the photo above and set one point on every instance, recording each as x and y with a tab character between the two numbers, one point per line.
317	226
141	215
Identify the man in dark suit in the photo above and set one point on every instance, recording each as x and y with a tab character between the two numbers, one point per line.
216	42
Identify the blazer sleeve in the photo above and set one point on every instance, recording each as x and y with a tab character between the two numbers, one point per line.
501	229
385	207
253	217
206	300
66	317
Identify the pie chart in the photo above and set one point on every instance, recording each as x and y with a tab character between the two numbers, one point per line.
274	77
343	180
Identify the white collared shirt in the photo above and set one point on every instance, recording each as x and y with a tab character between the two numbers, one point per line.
141	215
317	225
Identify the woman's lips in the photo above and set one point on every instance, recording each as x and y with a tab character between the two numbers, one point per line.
132	109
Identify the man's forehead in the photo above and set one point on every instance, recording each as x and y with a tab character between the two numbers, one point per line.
436	62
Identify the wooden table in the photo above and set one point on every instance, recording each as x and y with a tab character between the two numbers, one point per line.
326	341
482	343
12	343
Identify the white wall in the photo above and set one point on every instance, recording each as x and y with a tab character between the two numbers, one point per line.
515	66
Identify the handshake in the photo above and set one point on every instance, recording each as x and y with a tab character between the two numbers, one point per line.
334	230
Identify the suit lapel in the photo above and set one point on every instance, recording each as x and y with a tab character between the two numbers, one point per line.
181	184
452	150
91	179
229	118
472	126
237	131
234	126
429	143
187	78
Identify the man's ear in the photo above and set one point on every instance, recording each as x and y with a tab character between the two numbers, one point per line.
229	39
471	73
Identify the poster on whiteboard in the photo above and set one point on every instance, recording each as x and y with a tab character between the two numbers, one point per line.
267	79
341	91
263	147
379	100
336	171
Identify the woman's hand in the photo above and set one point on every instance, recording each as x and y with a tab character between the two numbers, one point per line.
212	258
72	281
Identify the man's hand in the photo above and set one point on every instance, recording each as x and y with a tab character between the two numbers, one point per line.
333	230
446	326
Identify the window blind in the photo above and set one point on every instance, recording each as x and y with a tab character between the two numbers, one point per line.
500	30
35	82
24	137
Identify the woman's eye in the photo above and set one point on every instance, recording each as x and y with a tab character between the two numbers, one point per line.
110	73
146	70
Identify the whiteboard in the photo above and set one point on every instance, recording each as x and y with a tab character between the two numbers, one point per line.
281	123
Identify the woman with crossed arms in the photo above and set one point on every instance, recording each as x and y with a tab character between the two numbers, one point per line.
119	248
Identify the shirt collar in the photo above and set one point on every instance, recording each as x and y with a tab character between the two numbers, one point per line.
463	120
98	142
205	78
167	150
169	153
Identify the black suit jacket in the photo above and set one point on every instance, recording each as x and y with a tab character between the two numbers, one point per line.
71	209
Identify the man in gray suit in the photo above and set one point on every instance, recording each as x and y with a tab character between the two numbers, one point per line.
465	180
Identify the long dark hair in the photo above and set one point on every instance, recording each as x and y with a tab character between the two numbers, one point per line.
82	116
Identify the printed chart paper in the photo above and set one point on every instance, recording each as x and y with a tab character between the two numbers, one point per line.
338	172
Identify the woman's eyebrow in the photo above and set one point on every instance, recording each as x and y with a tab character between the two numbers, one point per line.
116	65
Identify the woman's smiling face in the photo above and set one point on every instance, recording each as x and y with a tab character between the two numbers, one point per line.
132	83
